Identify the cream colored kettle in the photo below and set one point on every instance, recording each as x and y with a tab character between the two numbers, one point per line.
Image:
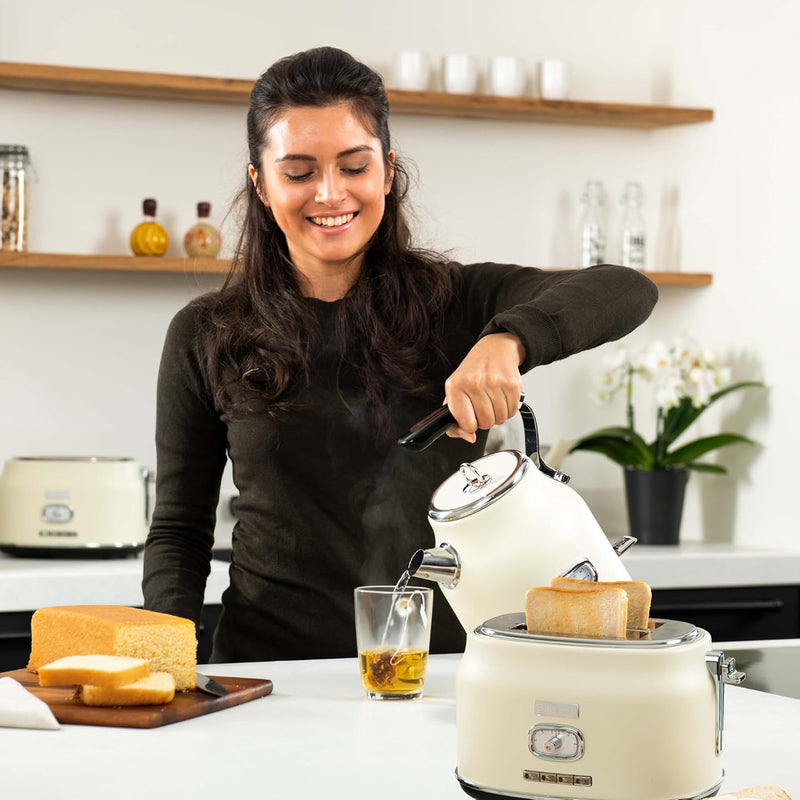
504	523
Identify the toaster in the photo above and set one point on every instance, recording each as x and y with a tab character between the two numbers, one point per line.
80	506
545	717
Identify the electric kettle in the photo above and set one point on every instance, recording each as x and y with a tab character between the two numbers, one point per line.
504	523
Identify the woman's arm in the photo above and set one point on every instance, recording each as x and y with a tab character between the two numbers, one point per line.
528	317
191	453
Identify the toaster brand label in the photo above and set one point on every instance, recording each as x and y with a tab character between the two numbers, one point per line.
59	534
547	708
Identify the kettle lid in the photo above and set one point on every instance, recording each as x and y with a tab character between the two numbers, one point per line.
477	485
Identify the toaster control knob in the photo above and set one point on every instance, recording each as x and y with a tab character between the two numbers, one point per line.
556	742
53	513
553	743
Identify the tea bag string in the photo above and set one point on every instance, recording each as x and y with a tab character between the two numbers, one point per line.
409	610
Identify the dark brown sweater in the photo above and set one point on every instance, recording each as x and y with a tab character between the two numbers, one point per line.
326	503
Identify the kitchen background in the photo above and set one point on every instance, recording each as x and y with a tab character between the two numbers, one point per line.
79	350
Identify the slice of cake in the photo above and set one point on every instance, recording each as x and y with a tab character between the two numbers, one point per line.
156	689
109	671
169	643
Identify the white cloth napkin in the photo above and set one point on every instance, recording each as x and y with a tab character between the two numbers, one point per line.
20	709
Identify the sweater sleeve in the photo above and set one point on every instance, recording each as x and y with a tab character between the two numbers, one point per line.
191	454
561	312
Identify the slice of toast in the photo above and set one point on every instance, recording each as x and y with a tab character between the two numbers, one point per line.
155	689
757	793
598	613
639	596
99	670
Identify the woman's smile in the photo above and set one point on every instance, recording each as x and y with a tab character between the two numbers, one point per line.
334	223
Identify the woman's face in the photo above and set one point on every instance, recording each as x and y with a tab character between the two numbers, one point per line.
323	176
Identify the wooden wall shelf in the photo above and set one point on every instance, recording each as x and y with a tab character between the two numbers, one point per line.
191	266
162	86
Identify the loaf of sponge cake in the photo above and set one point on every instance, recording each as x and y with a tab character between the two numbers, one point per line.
600	613
168	642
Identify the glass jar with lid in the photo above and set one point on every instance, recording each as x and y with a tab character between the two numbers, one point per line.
15	167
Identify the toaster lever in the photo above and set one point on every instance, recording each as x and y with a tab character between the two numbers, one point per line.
723	670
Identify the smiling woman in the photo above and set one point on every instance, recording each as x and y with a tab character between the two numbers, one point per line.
332	335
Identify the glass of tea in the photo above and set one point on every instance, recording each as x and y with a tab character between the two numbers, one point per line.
393	631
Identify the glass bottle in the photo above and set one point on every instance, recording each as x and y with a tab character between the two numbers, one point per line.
15	170
592	226
633	240
149	238
202	240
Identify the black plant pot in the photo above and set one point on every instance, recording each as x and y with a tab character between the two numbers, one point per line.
655	504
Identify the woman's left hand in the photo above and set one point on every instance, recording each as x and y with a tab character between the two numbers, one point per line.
486	387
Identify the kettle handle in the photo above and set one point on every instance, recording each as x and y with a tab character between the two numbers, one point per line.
425	432
532	444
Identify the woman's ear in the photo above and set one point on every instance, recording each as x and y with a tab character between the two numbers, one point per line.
251	171
389	172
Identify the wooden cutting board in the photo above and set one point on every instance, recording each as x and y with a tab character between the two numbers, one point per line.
68	709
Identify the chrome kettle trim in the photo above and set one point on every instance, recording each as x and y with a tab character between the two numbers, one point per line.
523	463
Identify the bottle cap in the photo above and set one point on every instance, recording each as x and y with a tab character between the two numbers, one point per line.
149	207
203	209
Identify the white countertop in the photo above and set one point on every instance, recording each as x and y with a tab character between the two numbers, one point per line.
30	583
27	584
700	565
317	736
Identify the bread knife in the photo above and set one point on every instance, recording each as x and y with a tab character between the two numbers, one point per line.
210	686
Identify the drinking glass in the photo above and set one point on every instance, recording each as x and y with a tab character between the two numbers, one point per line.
393	631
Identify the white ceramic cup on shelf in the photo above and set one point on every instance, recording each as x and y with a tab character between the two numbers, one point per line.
555	79
412	71
507	76
460	73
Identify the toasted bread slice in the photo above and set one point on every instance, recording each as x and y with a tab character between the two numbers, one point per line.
155	689
757	793
639	596
99	670
600	613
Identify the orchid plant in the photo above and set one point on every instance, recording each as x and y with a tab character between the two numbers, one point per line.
687	380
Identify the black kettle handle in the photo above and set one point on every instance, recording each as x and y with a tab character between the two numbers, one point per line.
425	432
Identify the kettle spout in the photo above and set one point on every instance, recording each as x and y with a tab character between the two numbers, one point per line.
441	564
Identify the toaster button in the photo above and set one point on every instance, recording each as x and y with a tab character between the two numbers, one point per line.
54	513
582	780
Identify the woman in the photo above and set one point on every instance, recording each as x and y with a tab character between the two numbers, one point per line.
329	339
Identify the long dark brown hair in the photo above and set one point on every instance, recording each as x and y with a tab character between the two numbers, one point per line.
262	330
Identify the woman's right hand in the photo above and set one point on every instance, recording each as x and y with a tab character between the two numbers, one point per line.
485	388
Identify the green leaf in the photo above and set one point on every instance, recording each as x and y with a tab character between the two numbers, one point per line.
678	419
628	447
699	466
699	447
623	453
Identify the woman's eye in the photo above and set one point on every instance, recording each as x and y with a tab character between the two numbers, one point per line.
355	170
297	178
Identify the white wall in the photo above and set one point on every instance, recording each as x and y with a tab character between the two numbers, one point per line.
79	350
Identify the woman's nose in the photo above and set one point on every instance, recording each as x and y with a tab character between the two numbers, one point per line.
330	188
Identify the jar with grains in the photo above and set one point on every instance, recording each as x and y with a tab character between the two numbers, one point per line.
15	168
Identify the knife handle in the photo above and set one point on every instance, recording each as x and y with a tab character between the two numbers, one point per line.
425	432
